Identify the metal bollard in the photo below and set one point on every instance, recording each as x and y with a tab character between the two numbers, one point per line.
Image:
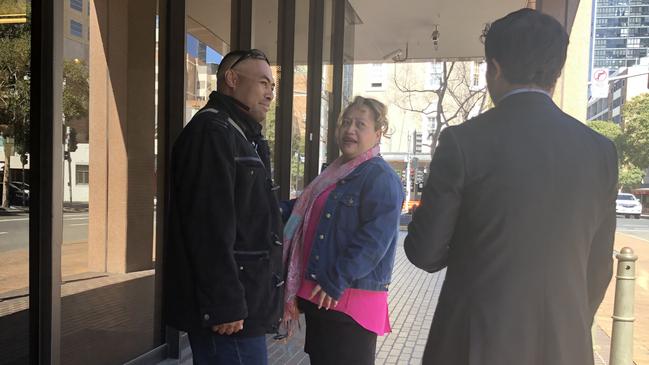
623	317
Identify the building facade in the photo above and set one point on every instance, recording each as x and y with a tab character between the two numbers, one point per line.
620	34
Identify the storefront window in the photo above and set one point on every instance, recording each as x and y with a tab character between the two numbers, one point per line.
300	69
15	37
109	119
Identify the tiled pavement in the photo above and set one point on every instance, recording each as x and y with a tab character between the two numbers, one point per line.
412	300
103	319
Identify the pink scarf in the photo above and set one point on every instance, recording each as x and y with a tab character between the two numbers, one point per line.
299	220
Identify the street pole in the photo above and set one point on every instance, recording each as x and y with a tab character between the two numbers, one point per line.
408	167
623	316
69	158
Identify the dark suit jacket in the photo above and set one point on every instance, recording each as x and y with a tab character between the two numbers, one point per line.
520	208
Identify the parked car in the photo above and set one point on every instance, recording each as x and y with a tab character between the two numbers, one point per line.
628	205
18	193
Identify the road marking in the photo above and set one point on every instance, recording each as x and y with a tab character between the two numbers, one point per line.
4	232
634	236
78	224
14	219
26	219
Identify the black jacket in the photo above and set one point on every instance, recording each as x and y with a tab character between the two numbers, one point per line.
520	207
223	254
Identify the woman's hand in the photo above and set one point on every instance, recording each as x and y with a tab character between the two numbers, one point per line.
325	300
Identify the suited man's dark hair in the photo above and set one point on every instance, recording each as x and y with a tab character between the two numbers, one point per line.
529	46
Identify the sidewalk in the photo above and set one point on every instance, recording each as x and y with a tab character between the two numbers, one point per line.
412	301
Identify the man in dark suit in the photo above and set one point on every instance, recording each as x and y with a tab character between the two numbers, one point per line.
520	208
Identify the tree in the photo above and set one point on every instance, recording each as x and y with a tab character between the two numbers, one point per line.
612	131
75	90
14	93
13	6
452	96
635	113
629	175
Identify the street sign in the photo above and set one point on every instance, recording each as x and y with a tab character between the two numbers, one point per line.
599	85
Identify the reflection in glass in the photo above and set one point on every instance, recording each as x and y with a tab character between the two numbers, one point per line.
264	38
15	52
109	109
202	65
299	98
326	93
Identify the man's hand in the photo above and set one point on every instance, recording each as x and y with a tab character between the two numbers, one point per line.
325	300
228	328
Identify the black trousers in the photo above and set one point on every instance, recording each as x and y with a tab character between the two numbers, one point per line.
333	337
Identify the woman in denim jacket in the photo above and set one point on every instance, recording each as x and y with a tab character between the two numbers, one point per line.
340	241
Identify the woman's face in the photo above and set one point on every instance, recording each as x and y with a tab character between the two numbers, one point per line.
357	133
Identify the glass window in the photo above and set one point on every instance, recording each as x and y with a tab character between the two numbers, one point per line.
377	76
76	5
264	37
76	28
625	197
82	174
108	250
326	95
300	79
204	51
435	75
15	38
478	75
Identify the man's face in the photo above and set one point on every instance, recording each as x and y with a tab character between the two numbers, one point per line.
254	86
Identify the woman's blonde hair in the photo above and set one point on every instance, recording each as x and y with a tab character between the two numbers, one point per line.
378	109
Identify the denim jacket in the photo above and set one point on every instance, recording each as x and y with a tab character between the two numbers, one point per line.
355	242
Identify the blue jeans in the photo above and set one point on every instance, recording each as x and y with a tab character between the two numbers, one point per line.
209	348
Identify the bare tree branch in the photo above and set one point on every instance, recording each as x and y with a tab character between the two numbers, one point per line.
451	103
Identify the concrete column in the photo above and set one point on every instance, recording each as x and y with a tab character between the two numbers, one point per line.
122	114
571	92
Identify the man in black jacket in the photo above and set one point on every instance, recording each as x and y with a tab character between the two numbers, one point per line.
520	208
223	262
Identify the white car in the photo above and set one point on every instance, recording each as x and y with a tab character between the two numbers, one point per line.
628	205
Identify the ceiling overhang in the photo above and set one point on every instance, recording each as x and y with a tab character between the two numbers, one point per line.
389	26
383	29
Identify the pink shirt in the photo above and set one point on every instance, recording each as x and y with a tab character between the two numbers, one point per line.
368	308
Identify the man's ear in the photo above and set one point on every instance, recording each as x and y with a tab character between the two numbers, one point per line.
495	69
231	78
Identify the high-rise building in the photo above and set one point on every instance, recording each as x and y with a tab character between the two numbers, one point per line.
620	33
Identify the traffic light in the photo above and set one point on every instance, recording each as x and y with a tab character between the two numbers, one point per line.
72	140
412	179
420	177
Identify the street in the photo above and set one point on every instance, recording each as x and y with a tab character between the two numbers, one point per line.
635	227
14	230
